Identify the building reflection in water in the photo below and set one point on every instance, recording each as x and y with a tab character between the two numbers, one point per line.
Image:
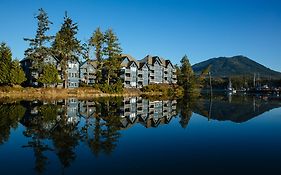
147	113
62	125
97	123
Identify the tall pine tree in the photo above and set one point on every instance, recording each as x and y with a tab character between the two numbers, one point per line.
113	52
5	63
97	41
17	75
11	72
66	46
186	77
38	50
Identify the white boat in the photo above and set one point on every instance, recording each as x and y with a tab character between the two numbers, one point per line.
230	89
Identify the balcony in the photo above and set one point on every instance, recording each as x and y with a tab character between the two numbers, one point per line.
127	71
128	79
174	76
140	72
140	79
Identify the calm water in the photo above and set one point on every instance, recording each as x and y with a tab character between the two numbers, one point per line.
222	135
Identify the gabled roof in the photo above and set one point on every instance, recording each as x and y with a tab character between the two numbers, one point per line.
90	62
167	62
147	59
50	55
130	60
142	64
152	59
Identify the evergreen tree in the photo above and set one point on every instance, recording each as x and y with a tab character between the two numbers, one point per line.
113	51
85	51
66	46
112	47
186	77
10	71
50	75
17	75
5	63
37	50
97	41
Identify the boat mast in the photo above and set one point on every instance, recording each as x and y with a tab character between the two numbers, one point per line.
254	80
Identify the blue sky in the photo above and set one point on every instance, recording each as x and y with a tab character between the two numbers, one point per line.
168	28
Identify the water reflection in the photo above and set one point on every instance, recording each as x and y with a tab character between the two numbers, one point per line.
237	109
10	114
59	127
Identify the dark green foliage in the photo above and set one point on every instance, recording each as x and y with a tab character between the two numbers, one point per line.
186	77
186	106
5	63
166	90
235	66
10	71
17	76
114	88
66	46
112	70
49	76
37	50
112	47
113	52
10	116
97	41
65	138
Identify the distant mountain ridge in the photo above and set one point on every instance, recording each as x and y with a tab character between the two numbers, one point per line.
235	66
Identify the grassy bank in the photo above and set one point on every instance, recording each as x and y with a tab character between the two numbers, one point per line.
81	93
56	93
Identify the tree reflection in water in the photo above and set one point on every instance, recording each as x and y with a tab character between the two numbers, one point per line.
10	116
59	127
185	106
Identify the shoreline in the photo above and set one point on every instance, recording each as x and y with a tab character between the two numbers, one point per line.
56	93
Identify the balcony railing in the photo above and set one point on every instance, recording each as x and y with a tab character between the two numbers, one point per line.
140	79
128	78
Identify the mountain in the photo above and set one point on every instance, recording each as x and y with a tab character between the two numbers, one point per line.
233	66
